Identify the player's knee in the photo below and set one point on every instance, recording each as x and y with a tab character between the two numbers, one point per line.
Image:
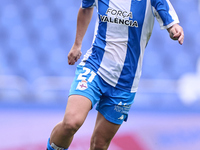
71	126
97	145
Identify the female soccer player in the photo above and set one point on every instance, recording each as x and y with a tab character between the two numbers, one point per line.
110	70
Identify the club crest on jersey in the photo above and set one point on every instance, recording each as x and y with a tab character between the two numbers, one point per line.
82	85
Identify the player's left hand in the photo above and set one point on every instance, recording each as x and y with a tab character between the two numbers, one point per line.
176	33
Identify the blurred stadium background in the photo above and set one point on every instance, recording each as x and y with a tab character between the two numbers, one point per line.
35	38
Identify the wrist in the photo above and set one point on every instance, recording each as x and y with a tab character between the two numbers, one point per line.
173	26
77	44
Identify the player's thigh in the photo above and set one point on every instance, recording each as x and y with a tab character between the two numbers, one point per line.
77	109
104	130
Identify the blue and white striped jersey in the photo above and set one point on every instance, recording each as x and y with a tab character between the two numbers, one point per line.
122	31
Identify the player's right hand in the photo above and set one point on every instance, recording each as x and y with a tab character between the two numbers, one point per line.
74	54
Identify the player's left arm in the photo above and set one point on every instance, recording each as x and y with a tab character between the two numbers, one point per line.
168	19
176	33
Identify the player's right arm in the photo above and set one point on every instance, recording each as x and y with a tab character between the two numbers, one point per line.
83	20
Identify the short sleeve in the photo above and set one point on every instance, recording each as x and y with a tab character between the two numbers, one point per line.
88	3
164	13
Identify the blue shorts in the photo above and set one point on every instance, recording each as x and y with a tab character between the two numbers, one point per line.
113	103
